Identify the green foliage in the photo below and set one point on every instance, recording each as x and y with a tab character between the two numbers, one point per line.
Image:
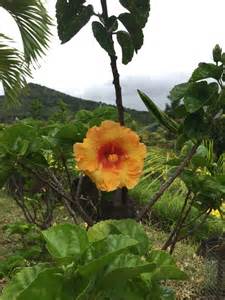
101	35
197	103
29	248
73	15
13	69
33	23
104	267
162	117
139	9
126	44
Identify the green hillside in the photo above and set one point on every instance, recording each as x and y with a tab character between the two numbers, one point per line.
49	100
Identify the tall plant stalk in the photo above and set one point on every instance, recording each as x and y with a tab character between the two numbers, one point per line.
114	68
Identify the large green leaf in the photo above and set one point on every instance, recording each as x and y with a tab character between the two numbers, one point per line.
103	37
166	267
126	44
71	16
102	252
34	283
205	70
100	231
34	24
126	227
66	241
162	117
179	91
139	9
124	267
199	94
135	231
135	31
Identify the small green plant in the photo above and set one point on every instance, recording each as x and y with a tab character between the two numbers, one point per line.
112	260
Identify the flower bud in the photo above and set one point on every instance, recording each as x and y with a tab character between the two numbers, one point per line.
217	52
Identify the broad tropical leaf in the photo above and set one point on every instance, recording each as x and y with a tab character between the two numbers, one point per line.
140	9
71	17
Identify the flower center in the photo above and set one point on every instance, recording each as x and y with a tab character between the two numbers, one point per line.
111	155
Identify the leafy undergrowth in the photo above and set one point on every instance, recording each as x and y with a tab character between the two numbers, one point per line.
8	214
185	255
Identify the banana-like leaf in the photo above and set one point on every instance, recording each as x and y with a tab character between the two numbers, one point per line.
13	69
33	22
161	116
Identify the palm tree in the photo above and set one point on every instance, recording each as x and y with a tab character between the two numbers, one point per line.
34	23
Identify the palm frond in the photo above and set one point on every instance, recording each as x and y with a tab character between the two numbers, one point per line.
13	69
34	25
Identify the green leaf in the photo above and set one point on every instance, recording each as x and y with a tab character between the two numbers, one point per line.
34	283
162	117
166	267
66	241
205	70
135	31
17	138
126	227
100	231
125	267
71	133
195	126
135	231
198	95
71	16
139	9
103	37
112	24
179	91
102	252
126	44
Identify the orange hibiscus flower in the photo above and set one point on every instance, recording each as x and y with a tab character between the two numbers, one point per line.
111	155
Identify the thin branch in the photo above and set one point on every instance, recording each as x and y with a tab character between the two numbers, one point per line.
168	183
196	227
55	187
178	224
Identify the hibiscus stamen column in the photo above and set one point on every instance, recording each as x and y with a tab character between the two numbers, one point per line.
116	83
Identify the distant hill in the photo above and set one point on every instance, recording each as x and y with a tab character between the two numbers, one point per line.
50	99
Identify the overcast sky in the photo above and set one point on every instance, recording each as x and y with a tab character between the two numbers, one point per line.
179	34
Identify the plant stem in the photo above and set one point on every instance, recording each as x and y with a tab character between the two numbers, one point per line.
117	85
114	68
168	183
